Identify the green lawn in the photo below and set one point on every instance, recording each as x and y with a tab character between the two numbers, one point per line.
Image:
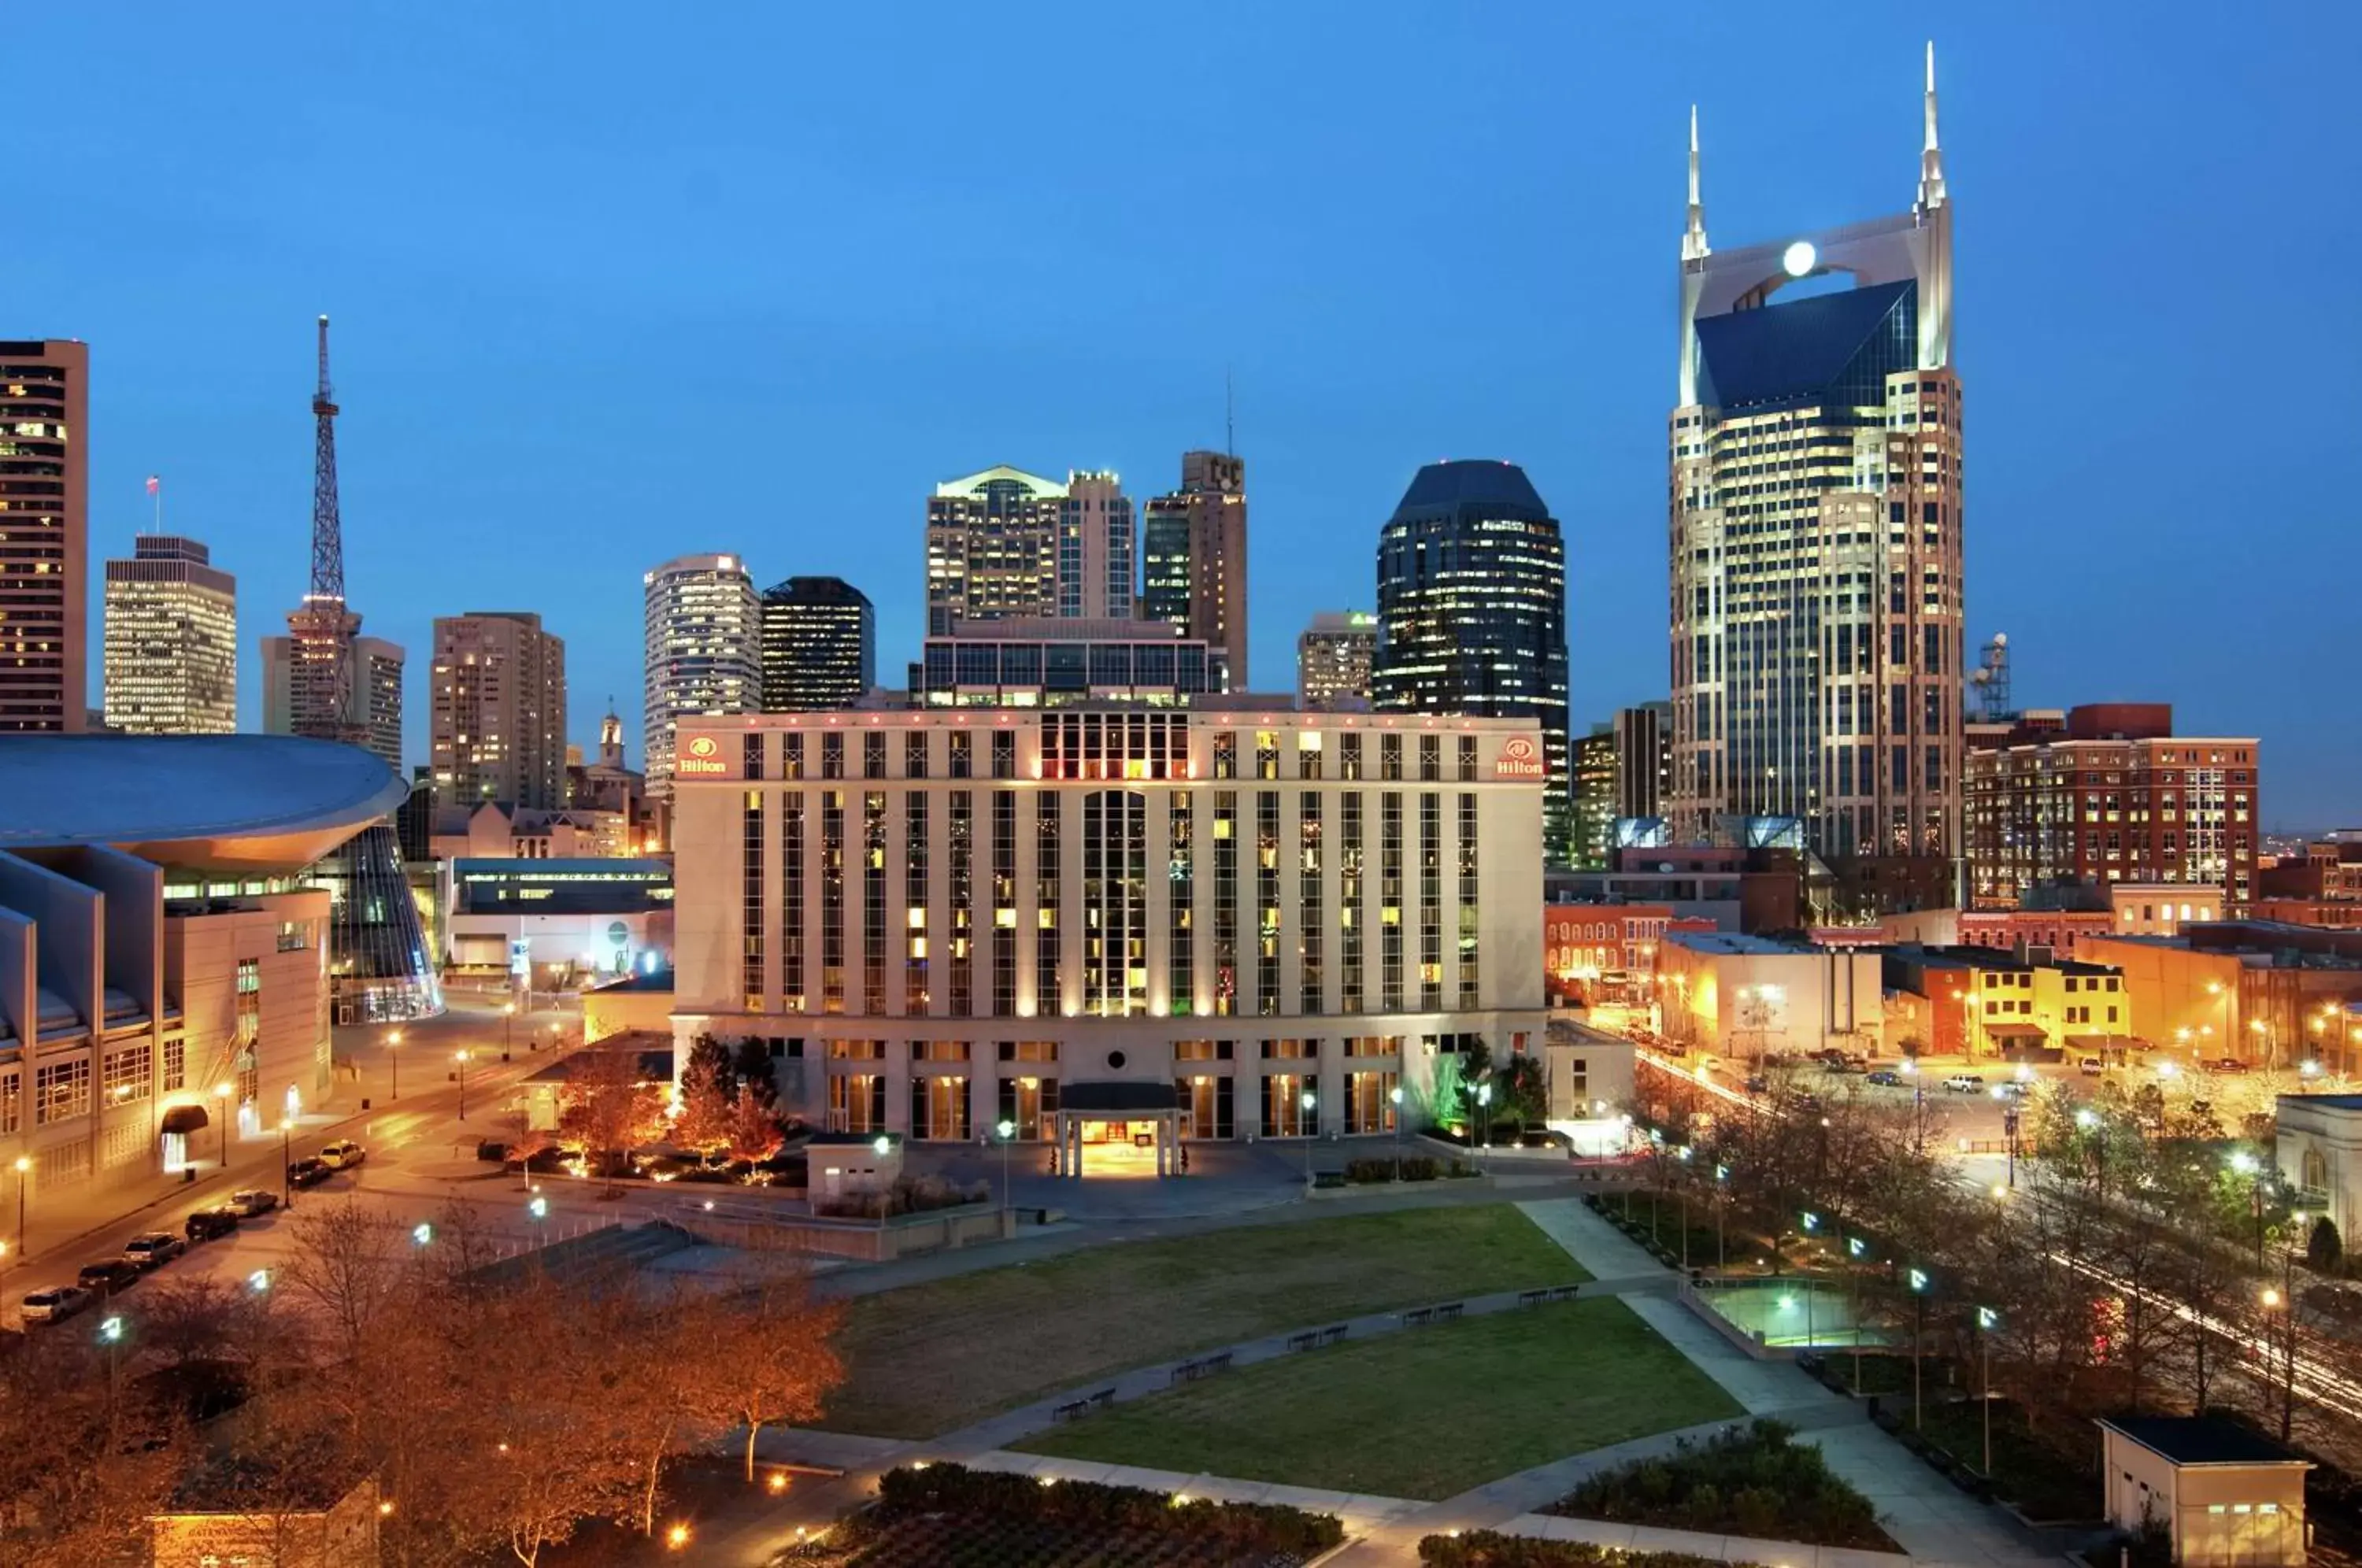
1427	1413
933	1357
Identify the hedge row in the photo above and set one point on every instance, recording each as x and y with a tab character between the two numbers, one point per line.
1486	1549
1244	1529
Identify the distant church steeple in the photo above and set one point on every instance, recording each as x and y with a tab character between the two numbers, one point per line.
610	738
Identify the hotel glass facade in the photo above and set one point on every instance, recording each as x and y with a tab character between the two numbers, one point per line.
941	920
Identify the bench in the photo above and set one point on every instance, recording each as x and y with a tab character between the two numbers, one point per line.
1446	1313
1218	1361
1564	1292
1204	1366
1334	1332
1532	1297
1070	1411
1419	1316
1101	1400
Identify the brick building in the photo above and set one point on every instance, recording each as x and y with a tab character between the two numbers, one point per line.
2114	796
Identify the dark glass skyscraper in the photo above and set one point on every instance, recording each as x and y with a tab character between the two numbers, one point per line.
1472	612
819	645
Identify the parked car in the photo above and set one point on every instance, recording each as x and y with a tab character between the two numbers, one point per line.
343	1154
2012	1090
309	1172
206	1224
1965	1083
250	1202
107	1276
2226	1064
48	1305
153	1249
2089	1066
1758	1084
1886	1075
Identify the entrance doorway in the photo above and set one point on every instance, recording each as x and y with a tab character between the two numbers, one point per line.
1119	1129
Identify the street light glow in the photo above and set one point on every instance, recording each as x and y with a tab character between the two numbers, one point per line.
111	1330
258	1281
422	1232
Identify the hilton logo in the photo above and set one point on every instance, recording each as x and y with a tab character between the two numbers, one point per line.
701	758
1518	759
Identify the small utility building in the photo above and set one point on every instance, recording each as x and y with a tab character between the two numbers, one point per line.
2228	1494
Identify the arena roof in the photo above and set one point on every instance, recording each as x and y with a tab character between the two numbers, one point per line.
229	804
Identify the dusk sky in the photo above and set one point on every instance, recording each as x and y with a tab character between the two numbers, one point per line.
613	283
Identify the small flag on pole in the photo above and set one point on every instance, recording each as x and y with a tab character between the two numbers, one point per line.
154	484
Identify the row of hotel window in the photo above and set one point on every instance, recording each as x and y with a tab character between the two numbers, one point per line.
1114	916
1103	746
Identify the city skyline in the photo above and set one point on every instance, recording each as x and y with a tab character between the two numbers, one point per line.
1576	333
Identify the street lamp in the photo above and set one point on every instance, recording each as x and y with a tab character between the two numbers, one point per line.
460	1056
508	1015
1721	1192
2246	1165
1987	1321
393	1039
1484	1106
1394	1097
1007	1131
1919	1283
286	1171
2283	1301
222	1092
24	1173
1812	1223
1309	1102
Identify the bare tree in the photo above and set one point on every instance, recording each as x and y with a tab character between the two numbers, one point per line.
772	1362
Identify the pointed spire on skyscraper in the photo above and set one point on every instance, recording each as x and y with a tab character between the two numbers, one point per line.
1931	157
1693	245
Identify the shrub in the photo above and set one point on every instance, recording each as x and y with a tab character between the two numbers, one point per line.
1243	1531
1489	1548
909	1195
2323	1249
1753	1480
1414	1167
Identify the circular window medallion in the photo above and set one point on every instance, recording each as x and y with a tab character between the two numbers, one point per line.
1115	1061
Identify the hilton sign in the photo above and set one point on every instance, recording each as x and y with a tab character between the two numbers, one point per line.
1519	759
701	758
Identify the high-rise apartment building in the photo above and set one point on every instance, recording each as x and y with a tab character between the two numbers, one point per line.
1816	614
372	716
1096	539
1471	612
705	637
170	640
44	535
819	645
497	725
2111	796
1333	657
992	548
1595	775
1194	557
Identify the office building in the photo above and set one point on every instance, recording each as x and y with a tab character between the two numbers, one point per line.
1047	664
497	727
1644	758
372	714
1096	539
2116	797
1752	997
2249	991
992	548
44	537
552	922
703	640
1596	774
1194	557
1986	1004
1333	657
164	965
1816	493
1471	613
819	645
1113	926
170	640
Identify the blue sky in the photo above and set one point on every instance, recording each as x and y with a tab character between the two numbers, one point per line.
616	282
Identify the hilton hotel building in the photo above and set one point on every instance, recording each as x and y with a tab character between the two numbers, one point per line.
1127	926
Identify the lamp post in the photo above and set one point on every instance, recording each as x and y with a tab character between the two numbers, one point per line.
1008	1134
1812	1223
2247	1166
222	1093
286	1173
1721	1193
1856	1250
508	1016
462	1058
393	1057
1682	1154
24	1175
1307	1102
1394	1096
1987	1321
1918	1332
2009	1114
2283	1301
1485	1113
2089	1121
